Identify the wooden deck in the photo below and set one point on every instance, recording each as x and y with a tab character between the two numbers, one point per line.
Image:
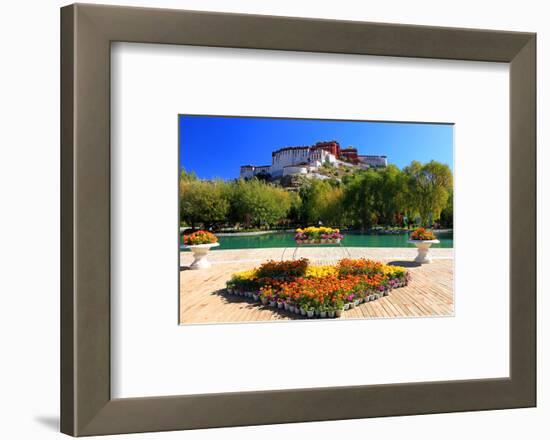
203	300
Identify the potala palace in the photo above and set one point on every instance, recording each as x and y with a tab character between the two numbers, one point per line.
307	160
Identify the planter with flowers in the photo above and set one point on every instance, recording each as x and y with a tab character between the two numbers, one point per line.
200	243
423	239
318	291
318	235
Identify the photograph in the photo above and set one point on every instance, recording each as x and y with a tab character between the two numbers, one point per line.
291	219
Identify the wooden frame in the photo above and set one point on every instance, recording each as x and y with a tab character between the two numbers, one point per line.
87	33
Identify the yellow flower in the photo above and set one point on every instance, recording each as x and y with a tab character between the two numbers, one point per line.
245	275
320	271
394	271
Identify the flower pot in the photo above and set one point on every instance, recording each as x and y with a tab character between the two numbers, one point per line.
323	314
200	252
280	305
264	301
302	312
346	306
331	313
272	303
338	312
310	313
255	297
352	305
423	246
286	306
356	302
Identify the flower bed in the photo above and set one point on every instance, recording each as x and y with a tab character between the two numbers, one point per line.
422	234
318	291
199	237
320	235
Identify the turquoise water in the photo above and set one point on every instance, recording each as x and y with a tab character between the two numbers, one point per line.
286	239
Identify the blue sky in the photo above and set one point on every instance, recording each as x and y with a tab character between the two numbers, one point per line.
216	146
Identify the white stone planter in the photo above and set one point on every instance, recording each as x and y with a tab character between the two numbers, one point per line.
200	252
423	247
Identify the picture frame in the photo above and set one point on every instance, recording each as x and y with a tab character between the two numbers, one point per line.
87	32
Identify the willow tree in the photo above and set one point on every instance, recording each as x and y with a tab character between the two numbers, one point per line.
430	186
360	197
321	202
389	194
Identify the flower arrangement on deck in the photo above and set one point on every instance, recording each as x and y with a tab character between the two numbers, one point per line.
199	237
422	234
318	291
318	235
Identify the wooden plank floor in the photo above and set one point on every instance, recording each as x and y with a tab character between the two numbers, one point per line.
203	300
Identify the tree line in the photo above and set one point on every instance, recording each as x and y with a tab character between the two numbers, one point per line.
419	193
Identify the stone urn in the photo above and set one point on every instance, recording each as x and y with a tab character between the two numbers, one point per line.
423	247
200	252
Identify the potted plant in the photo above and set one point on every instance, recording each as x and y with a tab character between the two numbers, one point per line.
339	308
331	313
200	242
423	239
317	235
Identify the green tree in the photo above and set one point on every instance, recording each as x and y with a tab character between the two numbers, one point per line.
203	202
187	177
446	217
295	209
360	197
389	198
257	203
430	186
321	200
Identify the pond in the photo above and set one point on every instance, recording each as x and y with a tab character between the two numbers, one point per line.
351	239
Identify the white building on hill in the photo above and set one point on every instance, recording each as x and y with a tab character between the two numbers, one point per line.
308	159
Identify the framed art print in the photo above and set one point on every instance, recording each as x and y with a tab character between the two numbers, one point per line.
312	227
277	212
